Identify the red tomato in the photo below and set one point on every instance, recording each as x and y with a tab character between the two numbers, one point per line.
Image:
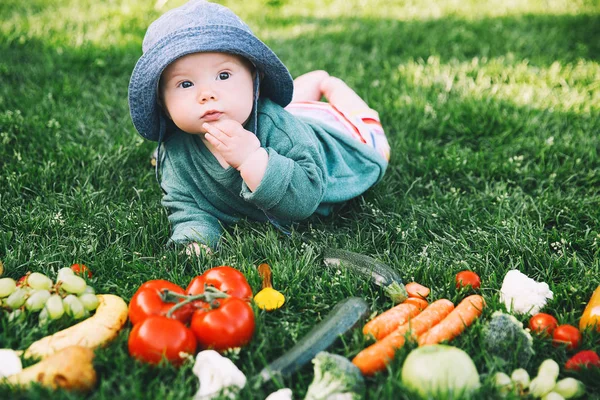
467	278
543	324
585	359
81	269
566	334
224	278
148	301
228	326
22	281
160	284
157	337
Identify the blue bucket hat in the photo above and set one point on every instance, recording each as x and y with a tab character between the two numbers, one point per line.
198	26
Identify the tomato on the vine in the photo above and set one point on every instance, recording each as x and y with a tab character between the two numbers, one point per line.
542	323
229	325
224	278
80	269
157	337
467	278
566	334
217	303
148	300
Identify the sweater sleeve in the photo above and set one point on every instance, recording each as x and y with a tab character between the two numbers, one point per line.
294	182
190	220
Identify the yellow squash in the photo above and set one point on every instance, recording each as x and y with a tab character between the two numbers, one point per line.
591	315
97	330
268	298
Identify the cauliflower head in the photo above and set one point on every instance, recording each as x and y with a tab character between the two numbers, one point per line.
218	376
523	295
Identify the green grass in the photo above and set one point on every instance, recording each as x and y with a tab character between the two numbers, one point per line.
492	111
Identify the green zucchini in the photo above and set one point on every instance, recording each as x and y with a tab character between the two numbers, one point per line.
343	317
377	272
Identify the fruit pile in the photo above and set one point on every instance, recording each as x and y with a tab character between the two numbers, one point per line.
35	292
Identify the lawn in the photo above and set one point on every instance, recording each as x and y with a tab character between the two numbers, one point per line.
492	109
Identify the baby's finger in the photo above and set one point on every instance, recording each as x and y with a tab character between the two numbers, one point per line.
213	130
218	144
229	127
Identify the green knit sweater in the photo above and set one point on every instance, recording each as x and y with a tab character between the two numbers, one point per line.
311	167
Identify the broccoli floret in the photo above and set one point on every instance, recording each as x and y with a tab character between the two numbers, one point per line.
505	339
336	378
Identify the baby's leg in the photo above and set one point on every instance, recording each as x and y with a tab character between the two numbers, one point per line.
307	87
341	96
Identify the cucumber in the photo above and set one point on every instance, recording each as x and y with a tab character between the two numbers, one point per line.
343	317
377	272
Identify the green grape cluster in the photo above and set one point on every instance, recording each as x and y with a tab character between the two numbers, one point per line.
36	292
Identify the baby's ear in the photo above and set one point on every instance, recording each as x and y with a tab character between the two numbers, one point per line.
166	112
161	105
159	99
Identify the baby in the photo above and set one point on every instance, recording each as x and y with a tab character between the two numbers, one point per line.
237	137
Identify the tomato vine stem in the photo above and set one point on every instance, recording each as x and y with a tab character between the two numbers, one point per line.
210	295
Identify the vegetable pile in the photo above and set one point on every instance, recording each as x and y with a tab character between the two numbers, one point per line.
426	325
214	316
66	356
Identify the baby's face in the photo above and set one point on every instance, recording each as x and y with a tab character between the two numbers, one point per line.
207	87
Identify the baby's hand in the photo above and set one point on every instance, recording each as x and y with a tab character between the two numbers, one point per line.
232	141
195	249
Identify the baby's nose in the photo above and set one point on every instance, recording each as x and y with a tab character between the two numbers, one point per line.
206	95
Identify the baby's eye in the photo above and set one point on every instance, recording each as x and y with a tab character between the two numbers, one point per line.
224	76
186	84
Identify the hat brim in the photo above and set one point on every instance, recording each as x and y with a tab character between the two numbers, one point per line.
276	82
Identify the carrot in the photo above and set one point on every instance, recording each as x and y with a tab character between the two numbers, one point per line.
420	303
383	324
375	357
467	311
417	290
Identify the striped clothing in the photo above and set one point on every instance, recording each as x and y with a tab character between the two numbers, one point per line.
363	125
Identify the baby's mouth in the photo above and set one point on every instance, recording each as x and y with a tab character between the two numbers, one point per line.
211	115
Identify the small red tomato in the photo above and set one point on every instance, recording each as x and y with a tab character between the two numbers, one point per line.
467	278
224	278
566	334
229	325
585	359
22	281
81	269
157	337
543	324
148	301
